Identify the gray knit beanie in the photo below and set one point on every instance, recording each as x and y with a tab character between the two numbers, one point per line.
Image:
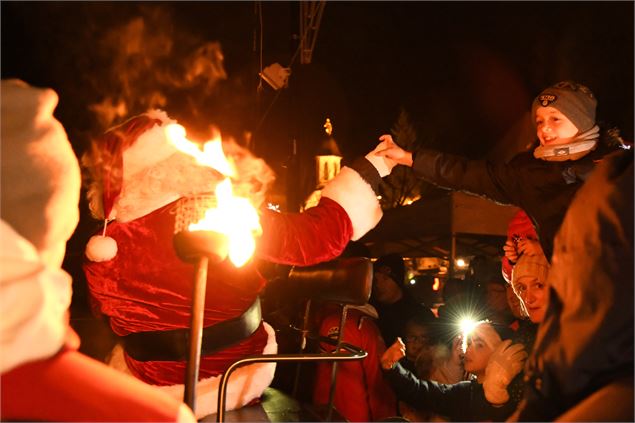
573	100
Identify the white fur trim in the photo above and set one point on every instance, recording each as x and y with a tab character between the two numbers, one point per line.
130	207
185	415
34	299
357	197
245	383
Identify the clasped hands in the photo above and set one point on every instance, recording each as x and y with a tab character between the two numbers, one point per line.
387	155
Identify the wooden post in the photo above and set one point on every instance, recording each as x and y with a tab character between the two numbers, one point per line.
196	332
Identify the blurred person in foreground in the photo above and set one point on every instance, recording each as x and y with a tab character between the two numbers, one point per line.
44	377
582	364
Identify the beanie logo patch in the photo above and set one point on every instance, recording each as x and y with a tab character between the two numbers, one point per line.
547	99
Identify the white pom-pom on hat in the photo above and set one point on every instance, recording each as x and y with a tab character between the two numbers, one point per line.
125	150
101	248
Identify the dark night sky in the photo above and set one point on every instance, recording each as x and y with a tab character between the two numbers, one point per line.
466	72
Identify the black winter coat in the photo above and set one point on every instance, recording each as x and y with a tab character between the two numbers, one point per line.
543	189
460	402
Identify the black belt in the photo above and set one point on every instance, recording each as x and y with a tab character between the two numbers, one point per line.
173	345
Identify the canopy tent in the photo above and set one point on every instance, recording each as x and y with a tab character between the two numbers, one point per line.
451	225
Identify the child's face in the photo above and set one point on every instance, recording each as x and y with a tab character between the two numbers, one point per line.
534	296
553	128
476	356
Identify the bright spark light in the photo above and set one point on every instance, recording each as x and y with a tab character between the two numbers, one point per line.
467	325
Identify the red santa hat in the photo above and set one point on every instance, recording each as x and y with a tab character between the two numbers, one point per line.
136	169
116	157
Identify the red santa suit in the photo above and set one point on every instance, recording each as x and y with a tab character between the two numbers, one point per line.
361	394
145	287
43	376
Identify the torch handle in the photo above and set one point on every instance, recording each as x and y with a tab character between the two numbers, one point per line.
196	332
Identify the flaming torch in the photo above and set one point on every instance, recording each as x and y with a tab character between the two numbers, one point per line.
207	229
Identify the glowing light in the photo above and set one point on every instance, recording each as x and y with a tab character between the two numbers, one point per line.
413	281
435	286
460	263
467	325
234	216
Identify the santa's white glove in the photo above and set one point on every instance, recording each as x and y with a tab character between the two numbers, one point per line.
504	364
383	165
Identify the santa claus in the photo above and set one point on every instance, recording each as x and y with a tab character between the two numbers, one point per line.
136	279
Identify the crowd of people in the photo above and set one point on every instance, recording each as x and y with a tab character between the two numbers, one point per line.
553	340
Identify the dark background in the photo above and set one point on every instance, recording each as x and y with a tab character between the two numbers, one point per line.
466	72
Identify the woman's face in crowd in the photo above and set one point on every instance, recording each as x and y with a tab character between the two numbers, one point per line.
553	128
534	296
416	339
476	356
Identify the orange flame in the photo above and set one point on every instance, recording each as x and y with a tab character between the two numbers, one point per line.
233	216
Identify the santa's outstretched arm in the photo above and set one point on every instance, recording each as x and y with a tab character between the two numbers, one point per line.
347	210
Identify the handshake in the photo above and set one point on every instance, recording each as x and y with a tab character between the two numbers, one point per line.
504	364
387	155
